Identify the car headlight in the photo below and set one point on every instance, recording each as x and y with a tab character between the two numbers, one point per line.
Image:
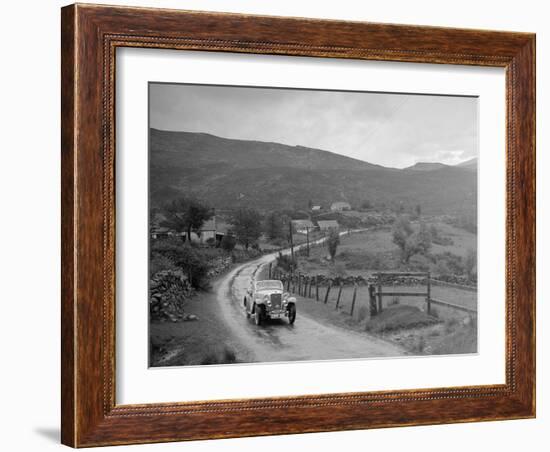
267	299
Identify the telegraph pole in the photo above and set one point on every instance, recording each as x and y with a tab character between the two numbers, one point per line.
307	240
291	240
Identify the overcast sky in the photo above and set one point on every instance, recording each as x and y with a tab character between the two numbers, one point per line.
395	130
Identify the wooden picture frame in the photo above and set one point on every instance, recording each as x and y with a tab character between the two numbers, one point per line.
90	36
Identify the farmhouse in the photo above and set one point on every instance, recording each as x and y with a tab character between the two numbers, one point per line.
316	208
339	206
326	225
302	226
212	229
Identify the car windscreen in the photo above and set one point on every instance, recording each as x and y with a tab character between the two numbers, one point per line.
267	285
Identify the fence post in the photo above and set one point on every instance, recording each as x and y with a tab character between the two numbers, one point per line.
339	295
372	300
270	268
293	283
328	290
316	288
287	277
353	299
429	294
309	288
299	284
379	292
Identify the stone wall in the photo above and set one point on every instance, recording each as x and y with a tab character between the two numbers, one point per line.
168	291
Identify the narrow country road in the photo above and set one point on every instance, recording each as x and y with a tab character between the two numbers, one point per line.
277	341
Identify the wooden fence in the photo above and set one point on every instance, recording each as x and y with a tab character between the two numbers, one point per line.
311	287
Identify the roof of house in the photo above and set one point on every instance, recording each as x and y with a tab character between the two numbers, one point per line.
302	224
327	224
209	225
316	208
160	230
339	204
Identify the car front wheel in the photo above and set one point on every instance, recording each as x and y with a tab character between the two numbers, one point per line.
259	315
291	314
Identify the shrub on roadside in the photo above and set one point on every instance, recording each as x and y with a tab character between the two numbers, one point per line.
159	263
228	243
286	263
337	270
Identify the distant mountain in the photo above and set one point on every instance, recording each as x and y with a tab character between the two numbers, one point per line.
194	150
469	164
230	173
426	166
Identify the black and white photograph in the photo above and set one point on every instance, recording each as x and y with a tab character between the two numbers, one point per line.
304	225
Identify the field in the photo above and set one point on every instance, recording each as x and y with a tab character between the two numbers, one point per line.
373	250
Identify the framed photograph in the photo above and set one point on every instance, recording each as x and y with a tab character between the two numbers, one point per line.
281	225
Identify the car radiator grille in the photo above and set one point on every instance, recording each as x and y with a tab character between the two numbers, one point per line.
276	299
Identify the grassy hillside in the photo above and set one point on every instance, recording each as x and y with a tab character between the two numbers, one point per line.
230	173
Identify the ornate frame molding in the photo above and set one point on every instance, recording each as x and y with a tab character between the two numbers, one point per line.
90	37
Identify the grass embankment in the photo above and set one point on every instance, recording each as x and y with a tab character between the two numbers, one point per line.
399	318
423	334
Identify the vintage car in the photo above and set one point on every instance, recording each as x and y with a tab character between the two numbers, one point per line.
268	300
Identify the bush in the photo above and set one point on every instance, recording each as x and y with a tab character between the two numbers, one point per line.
470	265
338	270
286	263
228	243
191	260
279	242
195	265
159	263
448	263
438	239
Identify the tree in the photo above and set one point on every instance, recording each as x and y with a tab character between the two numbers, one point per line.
228	243
402	230
186	215
366	204
273	226
152	219
423	239
470	264
333	240
411	243
247	226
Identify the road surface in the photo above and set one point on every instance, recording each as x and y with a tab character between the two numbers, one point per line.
277	341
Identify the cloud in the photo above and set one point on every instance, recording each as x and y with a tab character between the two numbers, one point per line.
388	129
